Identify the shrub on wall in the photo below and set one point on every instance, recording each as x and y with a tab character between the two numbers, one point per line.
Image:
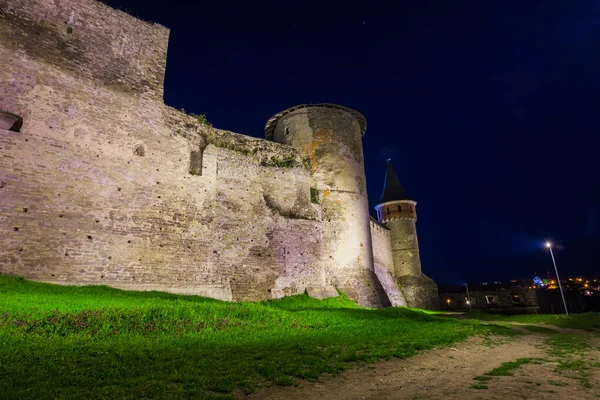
314	196
285	162
202	119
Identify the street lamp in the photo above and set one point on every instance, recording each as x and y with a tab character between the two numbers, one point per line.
549	246
468	297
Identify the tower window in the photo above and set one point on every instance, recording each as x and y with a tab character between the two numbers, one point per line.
10	122
399	208
388	210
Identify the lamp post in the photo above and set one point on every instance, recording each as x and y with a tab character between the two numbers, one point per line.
549	246
468	297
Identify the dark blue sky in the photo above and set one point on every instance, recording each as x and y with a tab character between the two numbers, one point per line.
489	110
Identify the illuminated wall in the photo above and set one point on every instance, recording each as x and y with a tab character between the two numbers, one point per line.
102	183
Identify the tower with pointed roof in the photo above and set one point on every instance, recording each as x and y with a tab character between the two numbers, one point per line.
397	212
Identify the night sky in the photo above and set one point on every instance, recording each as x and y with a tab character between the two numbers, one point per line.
489	110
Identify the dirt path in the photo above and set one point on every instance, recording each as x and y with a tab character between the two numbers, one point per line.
449	373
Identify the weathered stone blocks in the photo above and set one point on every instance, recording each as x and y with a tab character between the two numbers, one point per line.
420	291
321	292
384	263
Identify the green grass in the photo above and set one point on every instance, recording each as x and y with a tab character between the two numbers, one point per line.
539	329
570	351
557	383
564	345
508	368
579	367
98	342
479	386
586	321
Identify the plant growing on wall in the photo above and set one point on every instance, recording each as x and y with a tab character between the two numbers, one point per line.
314	196
306	162
229	145
285	162
202	119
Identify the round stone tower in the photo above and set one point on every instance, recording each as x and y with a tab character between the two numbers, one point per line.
330	138
397	211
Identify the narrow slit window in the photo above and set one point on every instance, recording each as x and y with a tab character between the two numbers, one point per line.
196	162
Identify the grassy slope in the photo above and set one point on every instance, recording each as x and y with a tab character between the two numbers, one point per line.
97	342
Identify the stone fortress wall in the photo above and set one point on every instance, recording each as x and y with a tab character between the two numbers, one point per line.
105	184
384	263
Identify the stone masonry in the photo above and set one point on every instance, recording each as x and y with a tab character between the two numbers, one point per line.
102	183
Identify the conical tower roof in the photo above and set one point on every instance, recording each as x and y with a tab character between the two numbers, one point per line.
392	189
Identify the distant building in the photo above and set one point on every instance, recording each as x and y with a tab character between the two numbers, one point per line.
511	299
